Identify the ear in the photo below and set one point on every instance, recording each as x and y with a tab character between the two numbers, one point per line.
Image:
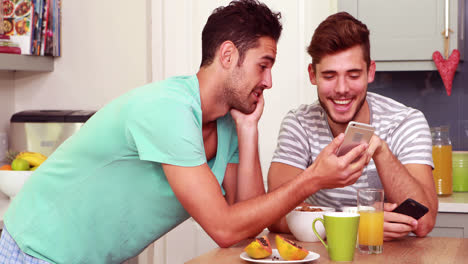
227	54
312	77
371	72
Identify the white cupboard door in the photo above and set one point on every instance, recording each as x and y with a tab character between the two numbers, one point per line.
407	31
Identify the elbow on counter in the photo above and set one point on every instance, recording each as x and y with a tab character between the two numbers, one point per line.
425	226
224	244
423	231
281	226
274	228
225	238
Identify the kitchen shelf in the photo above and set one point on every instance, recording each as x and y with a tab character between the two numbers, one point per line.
15	62
455	203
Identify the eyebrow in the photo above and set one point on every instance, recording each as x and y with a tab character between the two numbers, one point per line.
355	70
328	72
270	58
332	71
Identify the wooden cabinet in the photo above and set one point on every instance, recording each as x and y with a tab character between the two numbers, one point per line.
451	225
452	219
404	34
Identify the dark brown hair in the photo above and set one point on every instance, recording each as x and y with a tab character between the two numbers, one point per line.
339	32
243	22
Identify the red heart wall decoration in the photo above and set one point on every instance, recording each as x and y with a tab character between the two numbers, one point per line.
447	68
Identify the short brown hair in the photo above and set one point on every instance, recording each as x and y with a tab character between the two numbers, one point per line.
339	32
243	22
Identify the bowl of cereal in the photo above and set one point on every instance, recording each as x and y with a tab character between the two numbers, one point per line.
300	222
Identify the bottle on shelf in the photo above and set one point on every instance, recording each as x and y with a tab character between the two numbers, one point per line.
442	156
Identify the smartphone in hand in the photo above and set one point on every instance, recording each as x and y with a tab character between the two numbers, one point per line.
411	208
355	134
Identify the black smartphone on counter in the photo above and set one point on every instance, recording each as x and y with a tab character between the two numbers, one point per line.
411	208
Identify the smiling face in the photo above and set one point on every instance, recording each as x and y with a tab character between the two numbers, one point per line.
249	78
342	80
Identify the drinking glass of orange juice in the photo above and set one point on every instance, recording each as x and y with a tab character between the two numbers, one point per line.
370	206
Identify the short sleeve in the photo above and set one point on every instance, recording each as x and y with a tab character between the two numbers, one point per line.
167	131
413	144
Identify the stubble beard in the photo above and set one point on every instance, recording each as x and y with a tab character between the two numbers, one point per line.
235	101
233	96
330	116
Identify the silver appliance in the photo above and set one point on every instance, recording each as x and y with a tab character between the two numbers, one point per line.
44	130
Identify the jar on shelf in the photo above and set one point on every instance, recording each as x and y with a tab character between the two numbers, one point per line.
442	156
460	171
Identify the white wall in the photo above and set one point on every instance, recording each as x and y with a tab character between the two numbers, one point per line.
6	99
106	52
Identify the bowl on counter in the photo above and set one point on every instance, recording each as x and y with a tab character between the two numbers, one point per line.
12	181
300	222
349	209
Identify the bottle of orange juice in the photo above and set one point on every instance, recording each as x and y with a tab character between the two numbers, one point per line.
442	156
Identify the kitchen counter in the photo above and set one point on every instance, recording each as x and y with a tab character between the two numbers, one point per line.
407	250
452	218
455	203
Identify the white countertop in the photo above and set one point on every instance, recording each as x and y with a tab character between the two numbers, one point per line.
455	203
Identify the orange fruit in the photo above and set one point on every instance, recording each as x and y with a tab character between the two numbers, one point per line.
5	167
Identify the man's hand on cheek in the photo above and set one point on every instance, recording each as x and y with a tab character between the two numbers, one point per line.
252	118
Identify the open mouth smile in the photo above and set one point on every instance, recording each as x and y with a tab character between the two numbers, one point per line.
342	105
342	101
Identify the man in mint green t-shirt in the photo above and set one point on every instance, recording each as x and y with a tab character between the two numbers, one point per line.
183	147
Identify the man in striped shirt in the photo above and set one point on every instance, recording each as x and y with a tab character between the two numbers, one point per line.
399	156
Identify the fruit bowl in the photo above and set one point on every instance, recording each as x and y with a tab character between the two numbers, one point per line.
12	181
300	222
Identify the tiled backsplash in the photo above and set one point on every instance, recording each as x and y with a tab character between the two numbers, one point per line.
425	91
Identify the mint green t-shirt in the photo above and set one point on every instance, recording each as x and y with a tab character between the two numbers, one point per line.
102	196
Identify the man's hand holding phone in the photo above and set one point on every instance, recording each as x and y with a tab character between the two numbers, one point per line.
356	133
331	171
402	219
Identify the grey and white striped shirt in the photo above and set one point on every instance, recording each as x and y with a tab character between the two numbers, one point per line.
305	132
